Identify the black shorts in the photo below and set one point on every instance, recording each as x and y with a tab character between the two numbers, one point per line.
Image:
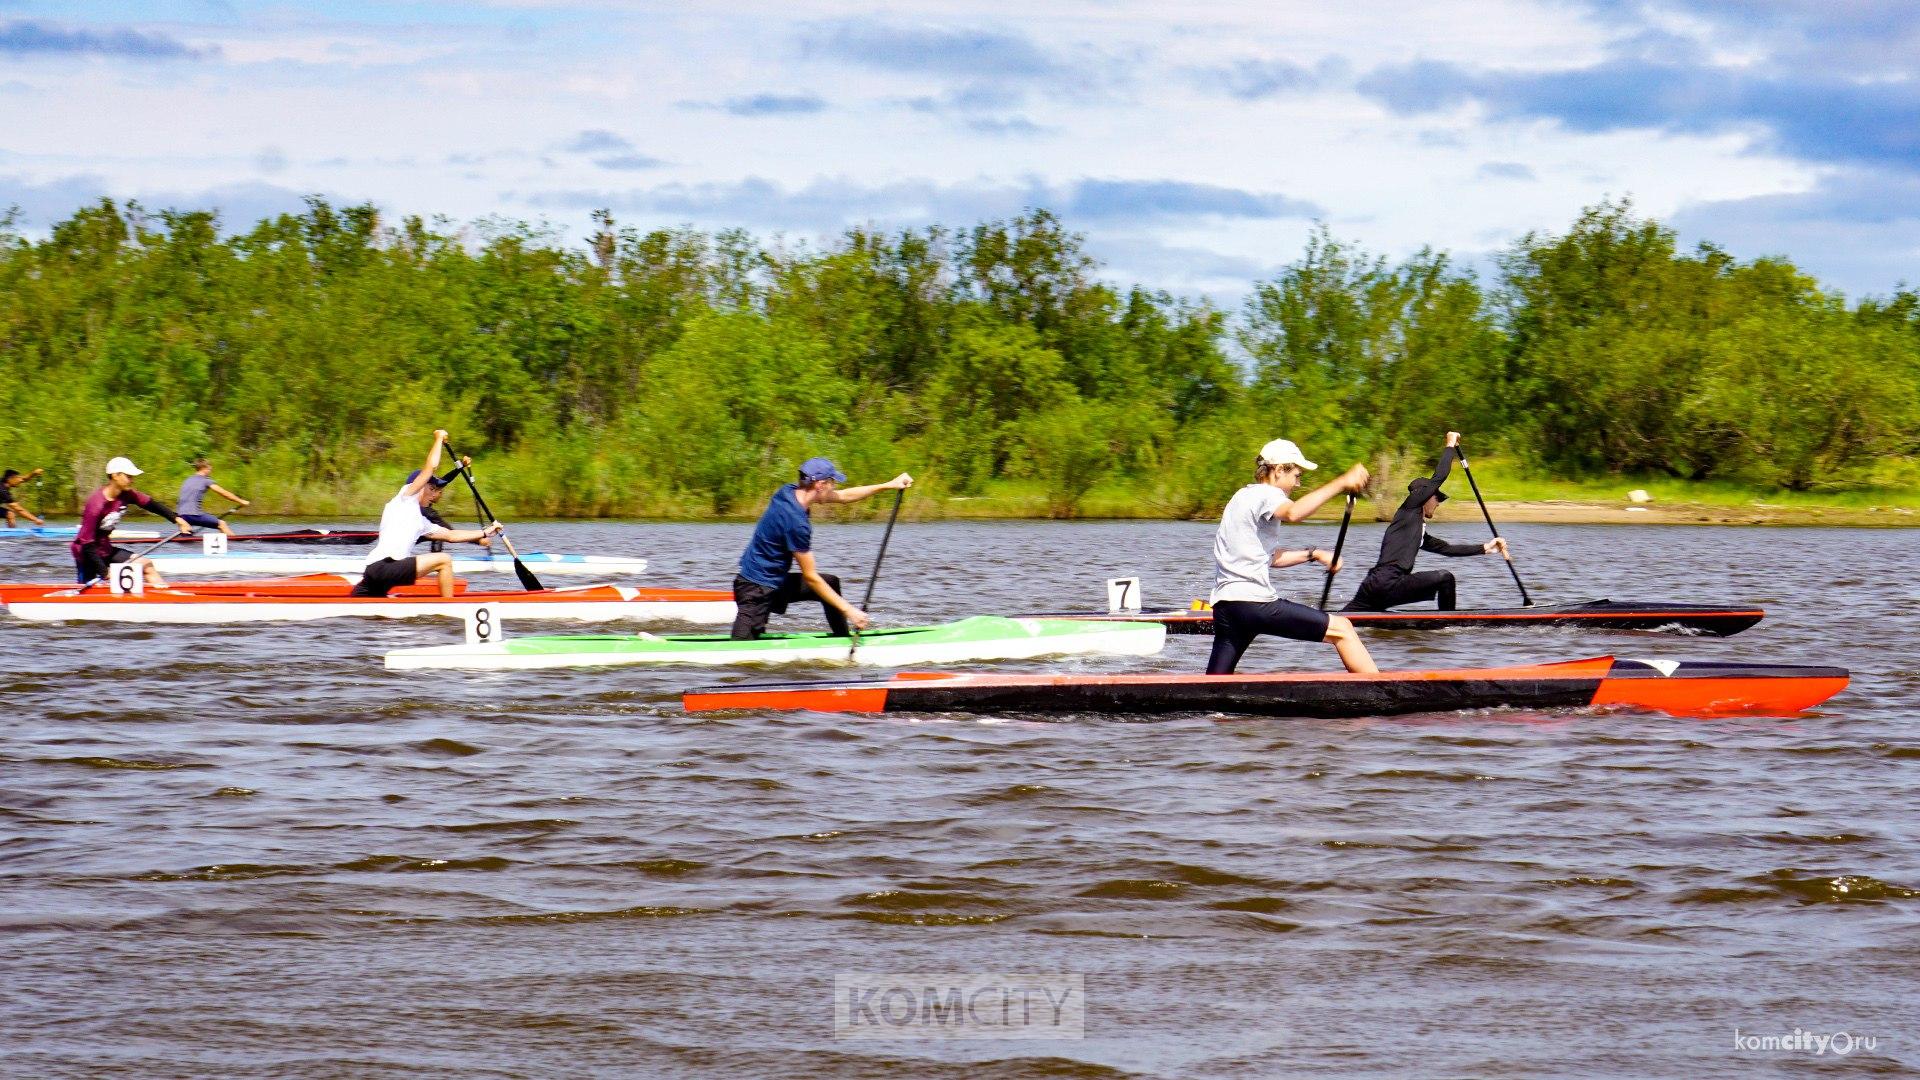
91	567
1237	622
754	603
201	521
381	578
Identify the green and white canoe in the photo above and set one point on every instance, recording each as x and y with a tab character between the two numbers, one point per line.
984	637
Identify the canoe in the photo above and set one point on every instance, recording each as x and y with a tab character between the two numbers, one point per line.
268	562
342	537
985	637
1701	620
1682	689
68	532
326	596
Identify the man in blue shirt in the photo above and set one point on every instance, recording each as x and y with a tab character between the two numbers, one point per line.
767	583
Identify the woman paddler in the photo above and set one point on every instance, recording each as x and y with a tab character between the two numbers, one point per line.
1248	546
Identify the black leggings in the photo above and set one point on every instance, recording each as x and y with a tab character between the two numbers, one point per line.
1381	591
1237	622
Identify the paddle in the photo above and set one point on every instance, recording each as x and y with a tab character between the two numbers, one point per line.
141	554
898	495
1339	542
527	580
1464	467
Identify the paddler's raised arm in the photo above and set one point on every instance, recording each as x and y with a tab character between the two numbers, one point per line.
433	462
1354	480
855	494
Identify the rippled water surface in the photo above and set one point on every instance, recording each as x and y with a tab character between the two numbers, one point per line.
251	851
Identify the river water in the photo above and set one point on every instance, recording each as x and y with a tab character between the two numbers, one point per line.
252	851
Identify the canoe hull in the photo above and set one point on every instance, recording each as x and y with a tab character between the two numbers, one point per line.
326	597
971	639
1700	620
1683	689
247	562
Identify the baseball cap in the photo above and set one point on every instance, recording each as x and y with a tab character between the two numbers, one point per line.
120	464
1425	484
1283	452
820	468
432	481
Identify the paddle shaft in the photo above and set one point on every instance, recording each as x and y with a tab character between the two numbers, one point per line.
527	579
899	495
1468	469
1339	542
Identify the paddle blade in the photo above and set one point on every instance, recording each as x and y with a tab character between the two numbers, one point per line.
527	580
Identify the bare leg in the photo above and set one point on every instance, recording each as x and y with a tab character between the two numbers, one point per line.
438	564
1346	641
152	574
226	528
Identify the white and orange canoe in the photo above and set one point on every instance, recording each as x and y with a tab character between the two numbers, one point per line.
328	596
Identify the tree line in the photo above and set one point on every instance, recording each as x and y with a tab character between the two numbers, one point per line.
683	373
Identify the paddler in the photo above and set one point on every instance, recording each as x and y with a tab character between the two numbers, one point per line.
403	522
1247	546
766	583
13	479
195	488
439	488
93	551
1392	581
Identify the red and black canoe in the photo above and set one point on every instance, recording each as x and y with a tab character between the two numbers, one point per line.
340	537
1703	620
1681	689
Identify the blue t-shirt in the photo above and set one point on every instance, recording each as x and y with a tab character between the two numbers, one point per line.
192	491
784	531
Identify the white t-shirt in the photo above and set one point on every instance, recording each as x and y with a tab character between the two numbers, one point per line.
401	526
1243	548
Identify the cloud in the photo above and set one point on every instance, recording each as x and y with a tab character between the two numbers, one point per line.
830	204
1012	126
22	38
969	54
1253	80
965	106
240	205
596	141
774	105
1136	199
1812	117
1504	170
1858	231
628	162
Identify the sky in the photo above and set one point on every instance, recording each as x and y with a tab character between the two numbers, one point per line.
1195	145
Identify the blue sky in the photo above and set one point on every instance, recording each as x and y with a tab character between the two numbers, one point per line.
1194	144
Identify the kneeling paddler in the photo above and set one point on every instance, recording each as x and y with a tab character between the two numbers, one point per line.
1392	581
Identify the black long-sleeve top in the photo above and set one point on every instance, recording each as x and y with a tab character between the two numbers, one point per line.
1407	537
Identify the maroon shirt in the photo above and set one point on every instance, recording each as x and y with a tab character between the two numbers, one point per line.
101	514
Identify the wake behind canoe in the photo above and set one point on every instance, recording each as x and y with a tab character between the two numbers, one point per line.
978	638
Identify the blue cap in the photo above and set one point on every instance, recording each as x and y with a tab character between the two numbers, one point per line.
434	481
820	468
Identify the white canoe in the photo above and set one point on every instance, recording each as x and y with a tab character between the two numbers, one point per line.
274	562
984	637
585	603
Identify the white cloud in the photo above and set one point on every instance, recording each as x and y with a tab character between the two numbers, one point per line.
935	110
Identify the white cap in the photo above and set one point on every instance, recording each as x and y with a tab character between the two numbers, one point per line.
121	464
1283	452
